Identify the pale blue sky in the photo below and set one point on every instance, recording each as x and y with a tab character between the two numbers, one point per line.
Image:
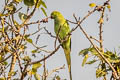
110	34
79	42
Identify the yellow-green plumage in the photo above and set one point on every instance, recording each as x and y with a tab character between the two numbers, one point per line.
61	28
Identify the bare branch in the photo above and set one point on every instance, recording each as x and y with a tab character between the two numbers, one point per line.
53	52
55	70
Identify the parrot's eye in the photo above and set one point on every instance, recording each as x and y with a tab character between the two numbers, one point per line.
51	17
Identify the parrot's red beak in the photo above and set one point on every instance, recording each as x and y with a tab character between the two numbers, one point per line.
45	20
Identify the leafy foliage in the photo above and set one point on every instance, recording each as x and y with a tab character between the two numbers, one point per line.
85	54
100	73
102	70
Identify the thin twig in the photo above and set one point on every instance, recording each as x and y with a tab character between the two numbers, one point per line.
53	52
30	15
49	33
55	70
94	39
57	37
100	31
37	31
44	66
6	58
105	59
13	61
24	72
41	48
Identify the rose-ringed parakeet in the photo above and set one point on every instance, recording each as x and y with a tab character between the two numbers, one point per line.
62	29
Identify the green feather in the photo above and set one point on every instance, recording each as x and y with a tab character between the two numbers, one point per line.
61	28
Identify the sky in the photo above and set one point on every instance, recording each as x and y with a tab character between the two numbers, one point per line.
80	8
110	32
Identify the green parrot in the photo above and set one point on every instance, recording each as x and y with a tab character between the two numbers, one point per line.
62	29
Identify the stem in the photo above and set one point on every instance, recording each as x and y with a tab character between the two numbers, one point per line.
46	56
44	73
24	72
101	38
30	15
105	59
101	31
12	66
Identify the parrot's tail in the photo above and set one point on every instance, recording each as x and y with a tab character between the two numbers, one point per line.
68	58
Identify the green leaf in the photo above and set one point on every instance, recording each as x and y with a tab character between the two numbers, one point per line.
1	58
58	77
38	4
85	59
114	60
34	51
5	63
2	78
37	65
29	40
16	24
17	1
43	3
9	7
93	51
109	54
109	7
27	58
43	10
11	73
91	62
118	70
112	57
26	36
100	73
22	16
84	51
29	3
92	5
34	71
88	50
3	27
1	14
37	76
